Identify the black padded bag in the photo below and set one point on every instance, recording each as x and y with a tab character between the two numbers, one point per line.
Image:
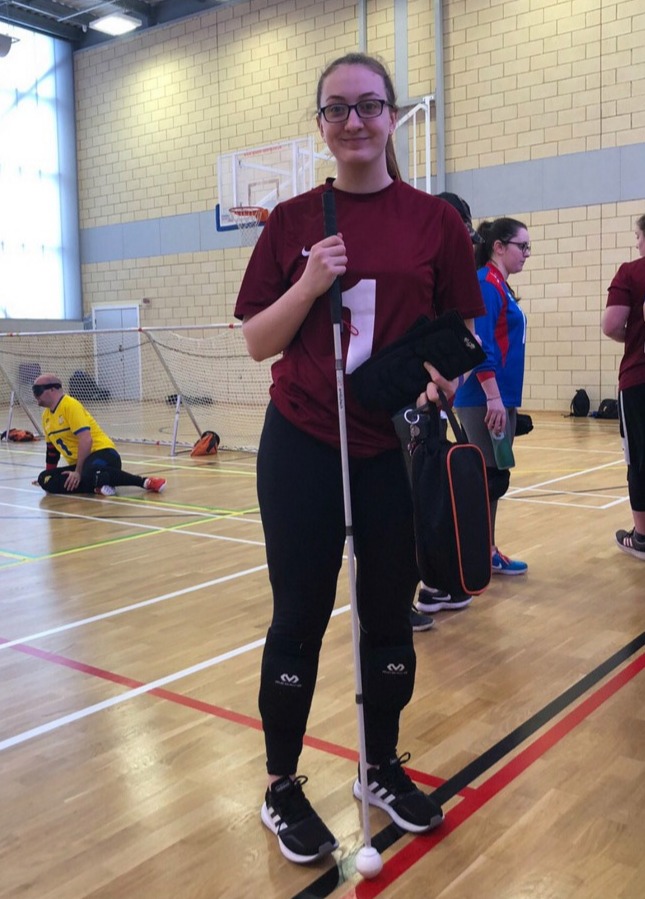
394	377
607	409
523	424
451	507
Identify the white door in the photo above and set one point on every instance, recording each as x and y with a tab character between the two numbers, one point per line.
118	356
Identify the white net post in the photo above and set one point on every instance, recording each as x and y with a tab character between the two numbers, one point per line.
150	385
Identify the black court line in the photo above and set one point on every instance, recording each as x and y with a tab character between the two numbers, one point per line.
329	881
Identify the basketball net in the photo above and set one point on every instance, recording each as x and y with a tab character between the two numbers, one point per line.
248	220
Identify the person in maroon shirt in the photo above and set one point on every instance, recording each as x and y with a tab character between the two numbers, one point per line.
624	320
398	253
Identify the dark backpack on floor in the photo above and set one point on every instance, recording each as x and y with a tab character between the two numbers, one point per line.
580	404
607	409
523	424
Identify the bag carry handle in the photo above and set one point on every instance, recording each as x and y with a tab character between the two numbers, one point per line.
457	428
459	432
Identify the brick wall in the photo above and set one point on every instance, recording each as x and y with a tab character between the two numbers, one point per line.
525	81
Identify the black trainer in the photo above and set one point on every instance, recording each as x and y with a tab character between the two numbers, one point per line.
631	542
431	599
301	834
419	621
390	788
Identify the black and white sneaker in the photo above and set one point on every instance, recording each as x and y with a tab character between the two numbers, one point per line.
419	621
631	542
431	599
390	788
286	811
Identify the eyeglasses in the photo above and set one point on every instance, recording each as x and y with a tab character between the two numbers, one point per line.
365	109
524	247
39	389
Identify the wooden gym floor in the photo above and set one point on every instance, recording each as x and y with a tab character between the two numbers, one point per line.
131	758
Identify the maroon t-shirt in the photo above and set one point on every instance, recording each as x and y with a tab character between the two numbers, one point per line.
628	289
408	254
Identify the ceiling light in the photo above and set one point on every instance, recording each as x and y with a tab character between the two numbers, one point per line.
116	23
5	44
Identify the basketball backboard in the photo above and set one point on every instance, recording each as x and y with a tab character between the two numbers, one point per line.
263	176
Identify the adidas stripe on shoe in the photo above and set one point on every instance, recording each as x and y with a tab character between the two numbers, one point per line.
302	835
389	788
631	543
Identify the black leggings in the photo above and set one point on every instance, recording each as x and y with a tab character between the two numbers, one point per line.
301	503
632	429
101	468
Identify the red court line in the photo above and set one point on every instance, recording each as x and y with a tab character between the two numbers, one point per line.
206	707
408	855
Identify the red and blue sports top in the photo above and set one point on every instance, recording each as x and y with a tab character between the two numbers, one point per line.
408	254
503	334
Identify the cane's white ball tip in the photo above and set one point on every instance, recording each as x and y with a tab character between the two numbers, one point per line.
368	862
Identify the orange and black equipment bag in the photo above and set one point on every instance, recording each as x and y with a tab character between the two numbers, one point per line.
207	444
17	435
451	506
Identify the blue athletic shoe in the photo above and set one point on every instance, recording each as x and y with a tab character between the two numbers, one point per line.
501	564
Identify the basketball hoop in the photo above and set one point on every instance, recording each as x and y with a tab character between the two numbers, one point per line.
248	220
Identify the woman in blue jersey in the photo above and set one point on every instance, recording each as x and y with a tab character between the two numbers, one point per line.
489	399
399	253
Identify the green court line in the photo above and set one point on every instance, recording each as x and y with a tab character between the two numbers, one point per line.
19	557
122	539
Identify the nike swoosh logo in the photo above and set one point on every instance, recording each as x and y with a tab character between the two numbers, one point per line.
305	252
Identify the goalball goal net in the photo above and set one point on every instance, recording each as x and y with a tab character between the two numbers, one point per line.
146	385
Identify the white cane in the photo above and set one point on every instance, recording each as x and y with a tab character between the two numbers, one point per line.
368	860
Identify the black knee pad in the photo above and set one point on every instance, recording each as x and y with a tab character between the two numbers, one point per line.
388	675
53	480
289	670
498	481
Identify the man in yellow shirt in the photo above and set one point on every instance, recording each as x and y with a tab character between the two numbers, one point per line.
94	465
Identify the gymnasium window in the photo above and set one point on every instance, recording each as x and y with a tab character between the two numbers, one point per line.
39	259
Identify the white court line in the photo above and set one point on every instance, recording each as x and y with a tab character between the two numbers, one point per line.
161	529
544	502
93	518
137	691
131	608
130	694
566	477
518	494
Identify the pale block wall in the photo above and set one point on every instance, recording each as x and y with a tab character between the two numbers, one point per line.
563	290
524	81
155	112
529	80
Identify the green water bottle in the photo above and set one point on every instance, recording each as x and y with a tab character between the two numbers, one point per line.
502	450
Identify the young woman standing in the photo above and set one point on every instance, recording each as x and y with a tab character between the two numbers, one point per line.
398	253
489	399
624	321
